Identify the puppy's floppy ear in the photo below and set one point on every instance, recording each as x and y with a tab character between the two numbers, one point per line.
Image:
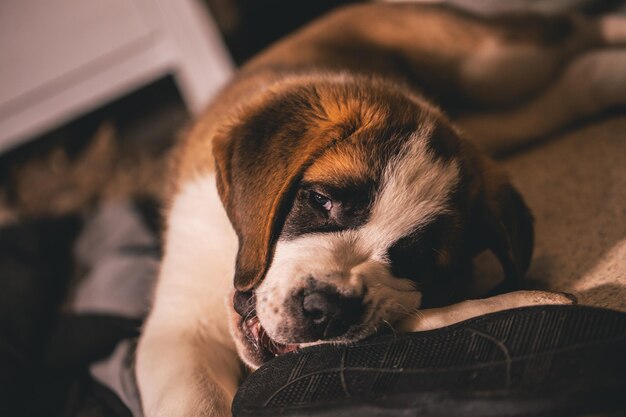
259	162
502	223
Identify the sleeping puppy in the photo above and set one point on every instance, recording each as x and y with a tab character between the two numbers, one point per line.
326	183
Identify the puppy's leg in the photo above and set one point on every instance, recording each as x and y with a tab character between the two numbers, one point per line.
590	84
528	55
457	59
434	318
454	57
187	363
184	371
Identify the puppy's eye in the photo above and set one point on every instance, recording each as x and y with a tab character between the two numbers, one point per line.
321	201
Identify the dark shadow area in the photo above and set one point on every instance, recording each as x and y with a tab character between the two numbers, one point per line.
250	25
35	269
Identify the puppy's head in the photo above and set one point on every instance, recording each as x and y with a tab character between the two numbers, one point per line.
355	203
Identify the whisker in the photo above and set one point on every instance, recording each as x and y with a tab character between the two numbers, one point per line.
249	314
395	335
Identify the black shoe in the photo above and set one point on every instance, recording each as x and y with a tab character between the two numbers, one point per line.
545	361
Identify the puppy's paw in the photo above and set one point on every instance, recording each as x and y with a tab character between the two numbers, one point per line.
190	400
444	316
530	298
613	29
571	297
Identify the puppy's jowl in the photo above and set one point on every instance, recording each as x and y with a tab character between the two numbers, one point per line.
324	195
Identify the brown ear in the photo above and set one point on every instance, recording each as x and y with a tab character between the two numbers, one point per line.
504	225
260	161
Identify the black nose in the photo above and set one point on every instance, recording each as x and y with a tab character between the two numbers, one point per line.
328	314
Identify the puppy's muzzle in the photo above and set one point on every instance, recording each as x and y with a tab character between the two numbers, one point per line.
323	313
310	314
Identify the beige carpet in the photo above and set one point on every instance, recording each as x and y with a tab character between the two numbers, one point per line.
575	185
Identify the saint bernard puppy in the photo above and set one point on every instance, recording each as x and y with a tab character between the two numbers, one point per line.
328	185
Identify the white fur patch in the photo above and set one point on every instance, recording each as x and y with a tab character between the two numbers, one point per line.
186	359
415	189
201	245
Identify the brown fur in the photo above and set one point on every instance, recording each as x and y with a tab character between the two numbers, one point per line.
340	164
